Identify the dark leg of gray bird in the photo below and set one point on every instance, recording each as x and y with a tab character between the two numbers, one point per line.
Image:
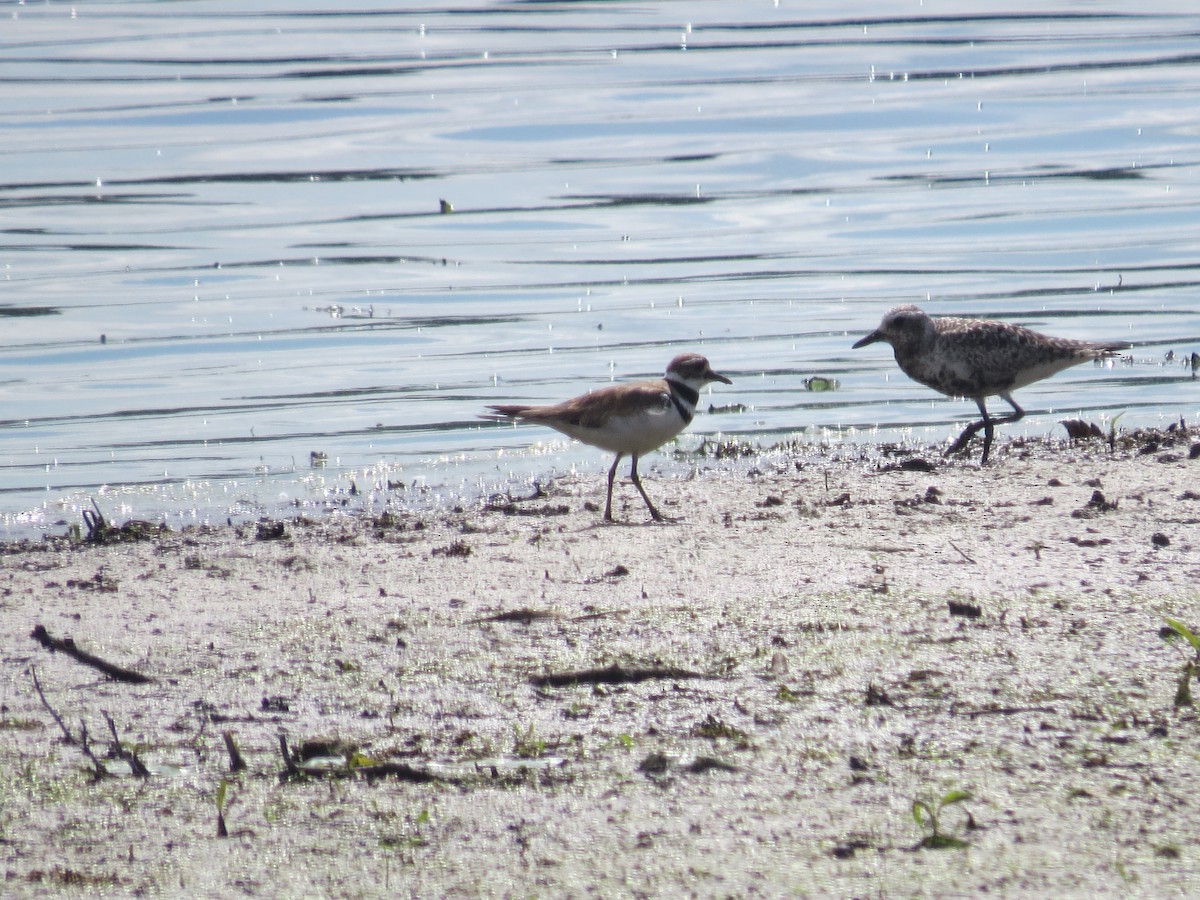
987	423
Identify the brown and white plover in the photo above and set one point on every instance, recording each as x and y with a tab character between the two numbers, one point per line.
978	358
627	419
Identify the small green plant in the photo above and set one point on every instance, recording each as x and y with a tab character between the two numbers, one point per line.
357	759
222	789
411	841
1175	628
786	695
928	814
526	744
1112	431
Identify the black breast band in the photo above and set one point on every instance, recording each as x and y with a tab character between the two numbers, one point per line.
678	391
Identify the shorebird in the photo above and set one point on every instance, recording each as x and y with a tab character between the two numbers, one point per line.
627	419
977	358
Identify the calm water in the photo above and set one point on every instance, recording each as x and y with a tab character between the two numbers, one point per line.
223	248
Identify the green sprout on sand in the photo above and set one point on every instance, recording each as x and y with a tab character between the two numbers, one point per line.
410	841
786	695
1175	628
222	789
526	743
928	814
1112	431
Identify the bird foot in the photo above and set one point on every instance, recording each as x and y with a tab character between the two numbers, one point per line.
959	446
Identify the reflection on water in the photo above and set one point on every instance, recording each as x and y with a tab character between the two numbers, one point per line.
232	239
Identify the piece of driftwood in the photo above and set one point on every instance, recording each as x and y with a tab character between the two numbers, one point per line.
67	646
613	674
525	616
403	771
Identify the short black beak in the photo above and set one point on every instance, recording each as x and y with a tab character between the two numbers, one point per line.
717	376
869	339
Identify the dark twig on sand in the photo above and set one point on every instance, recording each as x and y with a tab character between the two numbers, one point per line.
1008	711
236	762
961	552
86	747
291	770
130	756
67	646
70	738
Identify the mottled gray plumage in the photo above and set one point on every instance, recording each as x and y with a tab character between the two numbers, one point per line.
977	358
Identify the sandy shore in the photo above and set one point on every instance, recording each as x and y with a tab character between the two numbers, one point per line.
524	702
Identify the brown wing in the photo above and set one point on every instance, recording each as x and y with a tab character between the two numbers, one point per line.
594	409
623	400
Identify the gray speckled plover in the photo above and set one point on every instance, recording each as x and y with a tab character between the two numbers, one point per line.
627	419
978	358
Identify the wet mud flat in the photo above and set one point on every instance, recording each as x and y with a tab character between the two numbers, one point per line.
517	700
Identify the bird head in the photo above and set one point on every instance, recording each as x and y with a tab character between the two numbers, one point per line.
904	327
693	369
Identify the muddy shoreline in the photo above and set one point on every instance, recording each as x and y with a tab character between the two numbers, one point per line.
517	700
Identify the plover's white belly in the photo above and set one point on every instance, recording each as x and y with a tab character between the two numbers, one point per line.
639	433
